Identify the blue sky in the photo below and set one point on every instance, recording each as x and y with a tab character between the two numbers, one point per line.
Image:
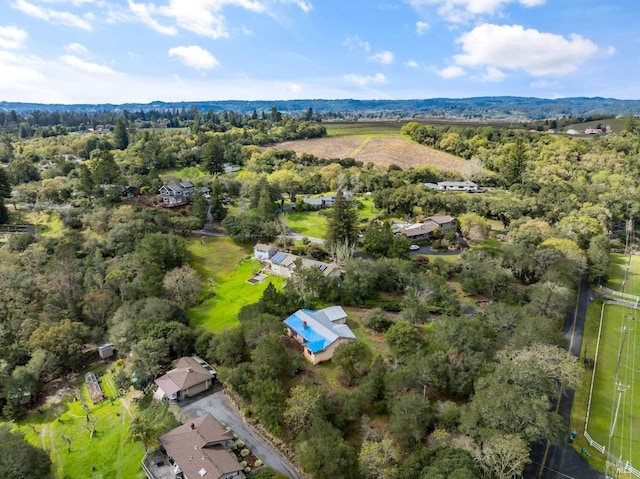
98	51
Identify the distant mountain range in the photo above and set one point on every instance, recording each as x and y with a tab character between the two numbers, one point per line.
479	108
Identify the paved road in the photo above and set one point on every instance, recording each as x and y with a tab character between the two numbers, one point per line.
563	462
220	407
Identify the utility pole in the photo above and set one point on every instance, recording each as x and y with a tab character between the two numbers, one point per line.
621	388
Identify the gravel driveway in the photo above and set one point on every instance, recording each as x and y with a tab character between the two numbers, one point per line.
220	407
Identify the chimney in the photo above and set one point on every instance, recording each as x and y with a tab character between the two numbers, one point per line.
192	425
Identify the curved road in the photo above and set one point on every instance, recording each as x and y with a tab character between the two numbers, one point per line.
220	407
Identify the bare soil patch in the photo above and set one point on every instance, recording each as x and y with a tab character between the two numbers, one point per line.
380	151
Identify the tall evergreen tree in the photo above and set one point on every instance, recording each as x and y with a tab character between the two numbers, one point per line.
212	155
342	222
120	135
218	210
265	207
199	207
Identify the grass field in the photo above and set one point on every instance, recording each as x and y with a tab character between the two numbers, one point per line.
312	224
48	223
189	173
377	129
623	443
379	148
229	267
61	429
367	211
618	267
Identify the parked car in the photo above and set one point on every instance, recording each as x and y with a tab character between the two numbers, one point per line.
414	247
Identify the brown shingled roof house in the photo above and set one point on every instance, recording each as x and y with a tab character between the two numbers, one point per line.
200	449
190	376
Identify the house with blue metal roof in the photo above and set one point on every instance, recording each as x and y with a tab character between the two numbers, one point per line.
319	332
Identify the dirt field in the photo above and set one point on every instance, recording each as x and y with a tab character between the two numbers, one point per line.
381	151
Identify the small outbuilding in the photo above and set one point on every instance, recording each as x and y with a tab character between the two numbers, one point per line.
106	351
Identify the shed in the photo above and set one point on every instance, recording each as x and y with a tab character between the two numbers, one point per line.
106	351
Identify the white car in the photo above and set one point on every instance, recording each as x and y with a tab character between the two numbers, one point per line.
414	247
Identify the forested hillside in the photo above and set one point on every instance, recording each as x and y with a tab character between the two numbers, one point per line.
458	360
484	108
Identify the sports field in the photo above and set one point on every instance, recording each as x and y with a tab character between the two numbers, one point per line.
613	420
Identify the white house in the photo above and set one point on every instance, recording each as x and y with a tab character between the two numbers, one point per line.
284	264
458	186
264	251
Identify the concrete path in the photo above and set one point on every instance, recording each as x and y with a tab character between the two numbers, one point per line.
220	407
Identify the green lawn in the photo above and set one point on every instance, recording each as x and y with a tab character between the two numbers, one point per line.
108	454
618	267
367	211
605	393
312	224
48	223
376	129
229	266
189	173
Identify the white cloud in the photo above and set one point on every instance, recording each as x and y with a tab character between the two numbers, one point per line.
412	64
514	47
12	37
453	71
421	28
195	57
17	72
492	74
75	3
354	42
385	57
365	80
142	11
53	16
290	87
305	6
76	48
86	67
202	17
459	11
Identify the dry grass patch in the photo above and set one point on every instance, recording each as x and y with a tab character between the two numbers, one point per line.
329	147
380	151
407	154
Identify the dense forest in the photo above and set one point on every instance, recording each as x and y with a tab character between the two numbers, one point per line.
472	358
504	108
